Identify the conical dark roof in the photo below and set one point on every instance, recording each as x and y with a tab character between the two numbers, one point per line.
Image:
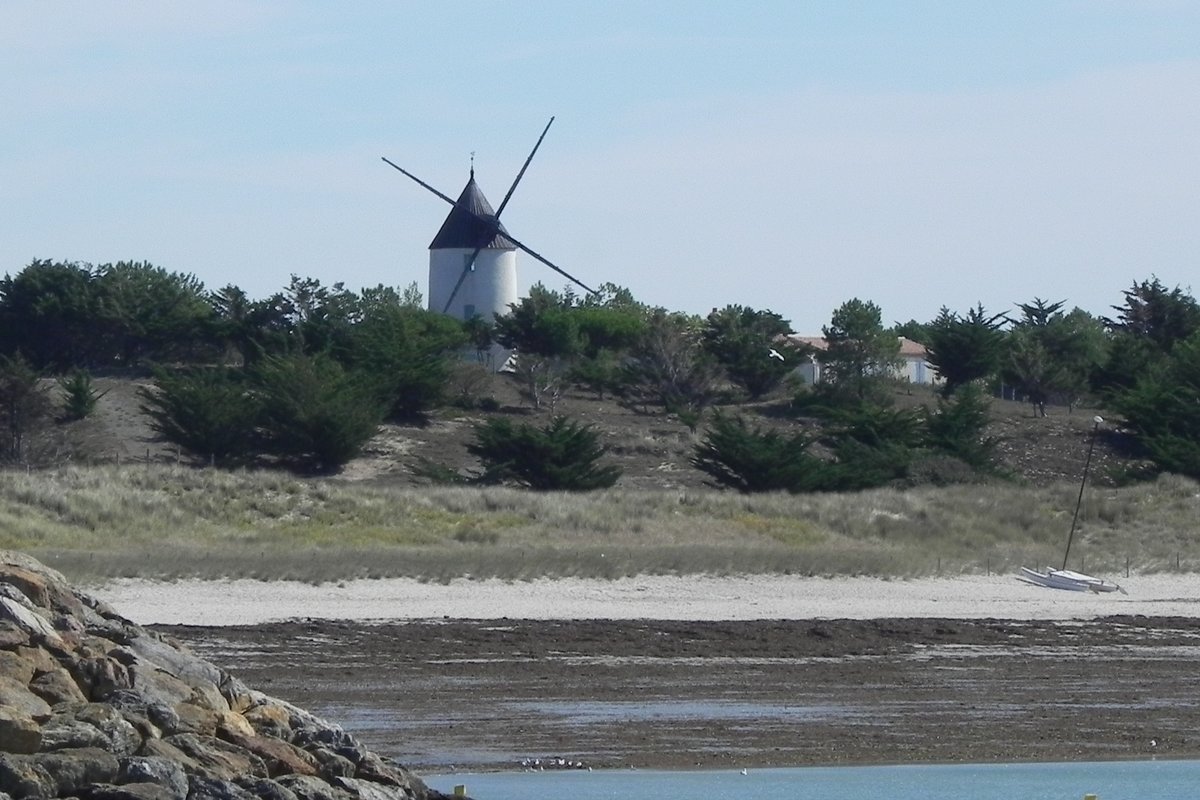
463	228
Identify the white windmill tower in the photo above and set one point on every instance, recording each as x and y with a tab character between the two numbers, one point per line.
472	262
473	259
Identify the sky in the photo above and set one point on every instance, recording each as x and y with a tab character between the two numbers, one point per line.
786	156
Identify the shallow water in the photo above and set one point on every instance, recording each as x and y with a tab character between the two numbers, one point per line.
1128	780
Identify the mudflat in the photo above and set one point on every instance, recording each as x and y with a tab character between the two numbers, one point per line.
501	693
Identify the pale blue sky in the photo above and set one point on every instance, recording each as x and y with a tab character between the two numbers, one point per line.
781	155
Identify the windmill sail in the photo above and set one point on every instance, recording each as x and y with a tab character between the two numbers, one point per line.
473	224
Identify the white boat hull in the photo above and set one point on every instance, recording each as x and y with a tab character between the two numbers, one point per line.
1068	580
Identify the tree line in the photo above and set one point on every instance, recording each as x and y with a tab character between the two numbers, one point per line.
304	377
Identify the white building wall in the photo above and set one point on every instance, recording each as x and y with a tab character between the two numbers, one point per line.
488	289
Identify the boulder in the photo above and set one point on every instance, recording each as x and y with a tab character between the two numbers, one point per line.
64	733
22	778
121	737
126	791
217	758
16	695
15	666
56	686
76	769
308	788
152	770
19	732
95	707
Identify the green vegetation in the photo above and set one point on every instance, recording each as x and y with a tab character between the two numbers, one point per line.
860	352
965	348
867	446
742	341
302	378
559	456
748	458
79	395
161	522
24	407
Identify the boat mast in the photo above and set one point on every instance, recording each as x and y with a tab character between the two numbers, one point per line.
1087	463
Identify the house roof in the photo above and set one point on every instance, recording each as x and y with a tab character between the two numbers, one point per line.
815	342
464	229
908	348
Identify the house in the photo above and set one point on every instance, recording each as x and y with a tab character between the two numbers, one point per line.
914	366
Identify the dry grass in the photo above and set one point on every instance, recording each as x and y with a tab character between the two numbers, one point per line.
170	522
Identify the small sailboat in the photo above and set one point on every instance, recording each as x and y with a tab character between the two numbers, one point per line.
1067	579
1064	578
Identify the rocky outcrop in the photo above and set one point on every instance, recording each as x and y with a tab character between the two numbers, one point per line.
95	707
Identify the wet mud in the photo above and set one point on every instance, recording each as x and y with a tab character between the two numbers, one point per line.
457	694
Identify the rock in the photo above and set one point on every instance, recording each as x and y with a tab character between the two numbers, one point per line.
217	789
366	790
29	622
194	719
307	788
22	778
30	584
14	666
95	707
11	634
332	764
166	774
267	789
132	704
19	732
56	686
126	791
73	770
162	750
280	757
120	735
170	658
238	695
218	759
269	719
15	695
63	733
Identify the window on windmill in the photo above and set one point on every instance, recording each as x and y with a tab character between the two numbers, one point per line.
468	311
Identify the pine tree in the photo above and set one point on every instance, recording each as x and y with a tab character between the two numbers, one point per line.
208	412
749	459
562	456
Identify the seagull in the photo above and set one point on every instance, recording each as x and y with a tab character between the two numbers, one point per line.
773	353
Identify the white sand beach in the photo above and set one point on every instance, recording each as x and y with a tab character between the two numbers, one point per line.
247	602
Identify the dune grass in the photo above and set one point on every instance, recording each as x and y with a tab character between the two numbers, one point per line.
161	522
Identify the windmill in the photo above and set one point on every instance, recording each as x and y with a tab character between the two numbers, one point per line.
472	258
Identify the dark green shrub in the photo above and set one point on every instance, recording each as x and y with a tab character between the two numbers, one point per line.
562	456
410	352
750	459
1162	410
79	395
24	407
314	413
752	346
958	428
209	412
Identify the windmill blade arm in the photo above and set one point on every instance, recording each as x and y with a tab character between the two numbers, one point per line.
552	265
418	180
462	277
524	167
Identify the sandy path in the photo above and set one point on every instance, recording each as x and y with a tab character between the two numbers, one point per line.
246	602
